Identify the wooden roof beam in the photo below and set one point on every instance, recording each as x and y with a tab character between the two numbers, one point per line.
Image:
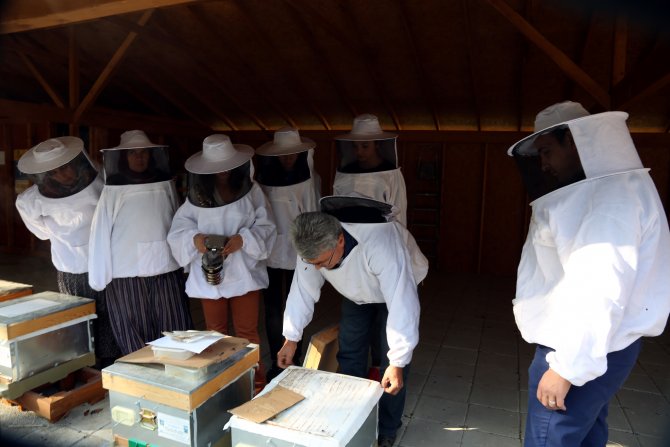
366	57
619	50
313	15
17	111
109	69
214	32
293	75
73	75
21	15
648	76
304	25
43	82
566	64
201	66
426	89
471	52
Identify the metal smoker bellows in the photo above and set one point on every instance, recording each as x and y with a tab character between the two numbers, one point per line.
212	259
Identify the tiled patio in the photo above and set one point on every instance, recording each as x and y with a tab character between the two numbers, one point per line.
468	377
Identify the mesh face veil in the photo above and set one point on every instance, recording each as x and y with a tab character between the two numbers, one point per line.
67	179
136	166
222	188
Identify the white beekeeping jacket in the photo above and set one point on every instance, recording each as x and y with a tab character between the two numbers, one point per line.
65	222
243	270
385	186
377	270
129	232
594	270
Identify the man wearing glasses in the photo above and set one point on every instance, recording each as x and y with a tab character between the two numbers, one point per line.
375	265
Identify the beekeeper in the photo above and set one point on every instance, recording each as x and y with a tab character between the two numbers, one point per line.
285	172
59	207
368	165
370	264
593	275
128	252
225	203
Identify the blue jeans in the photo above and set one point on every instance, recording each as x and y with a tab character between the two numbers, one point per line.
356	326
584	423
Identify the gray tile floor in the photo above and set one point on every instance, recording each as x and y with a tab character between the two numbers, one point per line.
467	385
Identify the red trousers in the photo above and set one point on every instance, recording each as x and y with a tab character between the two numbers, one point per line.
244	312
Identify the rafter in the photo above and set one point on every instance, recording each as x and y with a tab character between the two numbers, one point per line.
366	57
570	86
426	88
109	69
529	6
619	50
201	66
318	53
21	15
241	63
293	75
17	111
566	64
73	75
169	95
42	81
470	53
647	77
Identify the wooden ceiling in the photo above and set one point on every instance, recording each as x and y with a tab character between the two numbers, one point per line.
245	65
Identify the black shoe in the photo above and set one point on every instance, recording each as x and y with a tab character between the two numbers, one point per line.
386	441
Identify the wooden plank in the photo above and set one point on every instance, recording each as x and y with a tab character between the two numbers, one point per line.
12	390
25	327
20	16
57	405
620	48
10	290
43	82
176	399
566	64
109	68
322	350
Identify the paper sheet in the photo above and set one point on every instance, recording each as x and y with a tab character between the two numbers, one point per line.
194	346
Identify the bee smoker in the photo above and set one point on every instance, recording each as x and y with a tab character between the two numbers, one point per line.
212	259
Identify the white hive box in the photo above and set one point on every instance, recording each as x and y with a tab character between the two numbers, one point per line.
43	337
338	411
169	406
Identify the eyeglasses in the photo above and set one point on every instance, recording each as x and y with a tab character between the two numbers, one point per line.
321	263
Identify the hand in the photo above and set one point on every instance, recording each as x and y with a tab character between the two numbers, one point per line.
234	243
286	353
199	242
392	380
552	389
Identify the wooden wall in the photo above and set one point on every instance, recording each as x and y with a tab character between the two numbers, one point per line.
467	205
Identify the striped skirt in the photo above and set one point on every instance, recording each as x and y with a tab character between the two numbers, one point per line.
141	308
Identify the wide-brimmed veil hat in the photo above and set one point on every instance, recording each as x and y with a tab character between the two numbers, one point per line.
134	139
547	120
50	154
366	128
218	154
287	140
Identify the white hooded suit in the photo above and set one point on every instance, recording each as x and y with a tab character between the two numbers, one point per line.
593	276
